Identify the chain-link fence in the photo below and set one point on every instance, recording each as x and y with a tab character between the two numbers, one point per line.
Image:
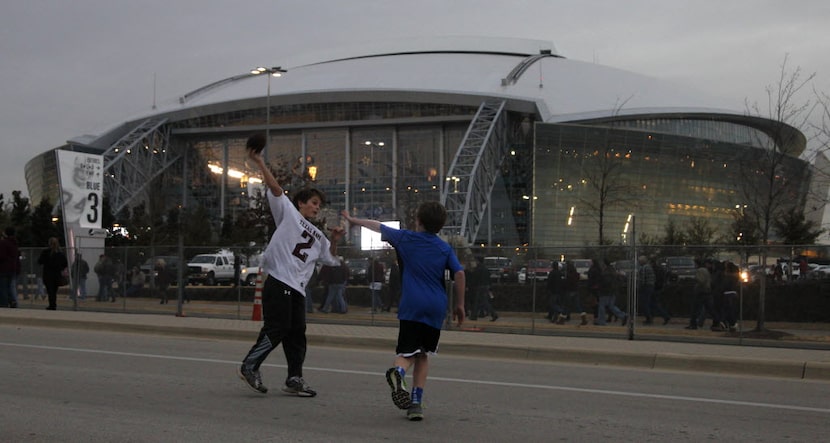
529	290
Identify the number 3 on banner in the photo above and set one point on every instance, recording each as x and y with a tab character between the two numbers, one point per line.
92	209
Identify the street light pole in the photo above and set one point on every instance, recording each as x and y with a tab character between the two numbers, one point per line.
275	71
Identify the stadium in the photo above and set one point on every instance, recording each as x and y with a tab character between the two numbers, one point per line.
523	146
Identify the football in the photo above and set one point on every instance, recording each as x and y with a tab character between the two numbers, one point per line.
256	143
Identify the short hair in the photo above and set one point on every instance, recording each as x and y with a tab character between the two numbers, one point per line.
432	215
303	195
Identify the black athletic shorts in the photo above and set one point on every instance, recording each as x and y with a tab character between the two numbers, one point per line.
415	337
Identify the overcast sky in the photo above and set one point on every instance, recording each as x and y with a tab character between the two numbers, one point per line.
69	68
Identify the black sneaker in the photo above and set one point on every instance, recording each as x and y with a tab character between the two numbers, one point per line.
400	396
297	386
415	412
252	379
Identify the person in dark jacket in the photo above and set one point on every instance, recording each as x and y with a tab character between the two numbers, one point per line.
9	269
54	264
80	270
556	310
163	279
480	289
570	298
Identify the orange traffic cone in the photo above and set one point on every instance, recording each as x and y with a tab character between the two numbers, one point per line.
257	316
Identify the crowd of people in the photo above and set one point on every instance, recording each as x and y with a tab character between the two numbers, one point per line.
715	295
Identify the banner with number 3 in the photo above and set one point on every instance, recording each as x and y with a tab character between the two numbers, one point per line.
81	178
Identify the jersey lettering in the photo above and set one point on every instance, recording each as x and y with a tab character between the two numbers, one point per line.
300	247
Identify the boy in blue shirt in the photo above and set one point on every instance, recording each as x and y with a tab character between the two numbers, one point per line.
423	259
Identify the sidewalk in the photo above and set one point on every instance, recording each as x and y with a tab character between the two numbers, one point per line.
602	345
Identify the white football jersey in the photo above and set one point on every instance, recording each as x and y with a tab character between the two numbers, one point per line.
295	246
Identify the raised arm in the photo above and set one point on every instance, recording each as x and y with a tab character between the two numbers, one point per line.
366	223
267	177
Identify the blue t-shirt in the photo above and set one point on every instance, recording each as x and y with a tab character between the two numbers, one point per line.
424	257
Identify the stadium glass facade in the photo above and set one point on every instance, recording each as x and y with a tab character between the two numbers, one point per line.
654	177
404	162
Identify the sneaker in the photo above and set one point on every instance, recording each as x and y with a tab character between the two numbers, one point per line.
252	378
297	386
400	396
415	412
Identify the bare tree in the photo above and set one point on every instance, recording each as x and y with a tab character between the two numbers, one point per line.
602	170
765	180
700	232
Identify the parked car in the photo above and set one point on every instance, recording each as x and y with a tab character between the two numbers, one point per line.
358	270
820	272
171	262
582	266
754	272
796	269
248	272
210	269
538	269
680	268
501	268
624	267
248	275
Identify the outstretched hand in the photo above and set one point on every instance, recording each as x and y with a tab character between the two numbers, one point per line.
459	314
337	233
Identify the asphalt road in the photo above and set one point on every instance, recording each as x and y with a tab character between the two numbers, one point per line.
73	385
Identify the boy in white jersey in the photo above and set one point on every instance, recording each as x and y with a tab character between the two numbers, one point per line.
288	263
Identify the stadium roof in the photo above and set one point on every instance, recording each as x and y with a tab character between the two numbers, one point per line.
530	74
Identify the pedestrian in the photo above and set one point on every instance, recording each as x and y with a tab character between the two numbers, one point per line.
163	279
718	274
136	282
9	268
80	270
54	263
702	295
555	287
803	268
376	278
594	283
313	282
572	300
288	262
394	292
104	269
479	282
609	282
41	288
731	286
646	284
424	259
237	270
335	279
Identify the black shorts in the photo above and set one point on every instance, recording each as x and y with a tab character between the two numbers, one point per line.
415	337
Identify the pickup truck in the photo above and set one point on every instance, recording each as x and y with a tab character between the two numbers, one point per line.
210	269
